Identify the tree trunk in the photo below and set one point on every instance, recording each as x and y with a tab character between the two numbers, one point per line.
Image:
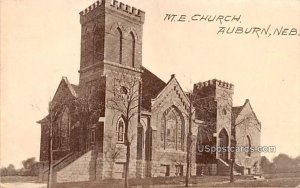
233	143
232	167
188	149
187	177
49	184
127	143
112	167
126	185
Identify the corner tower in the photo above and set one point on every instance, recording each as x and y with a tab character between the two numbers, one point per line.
111	35
111	59
214	106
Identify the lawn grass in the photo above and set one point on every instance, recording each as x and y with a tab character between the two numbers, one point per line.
271	180
280	175
278	182
11	179
150	182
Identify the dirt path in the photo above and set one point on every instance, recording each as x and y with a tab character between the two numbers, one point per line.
22	185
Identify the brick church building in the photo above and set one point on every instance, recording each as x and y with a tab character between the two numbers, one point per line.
88	121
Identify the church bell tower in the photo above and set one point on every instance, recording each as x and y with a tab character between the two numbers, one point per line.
111	63
111	38
214	107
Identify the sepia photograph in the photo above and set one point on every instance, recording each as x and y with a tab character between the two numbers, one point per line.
130	93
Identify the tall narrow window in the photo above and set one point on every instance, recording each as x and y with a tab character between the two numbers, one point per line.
65	129
132	50
120	130
92	136
119	54
140	142
248	146
87	55
97	46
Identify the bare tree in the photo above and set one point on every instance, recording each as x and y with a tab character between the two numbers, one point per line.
194	101
125	101
85	109
190	114
52	116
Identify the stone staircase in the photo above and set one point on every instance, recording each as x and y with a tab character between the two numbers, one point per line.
67	160
223	168
61	163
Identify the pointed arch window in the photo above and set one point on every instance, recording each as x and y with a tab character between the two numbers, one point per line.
172	129
97	45
65	129
120	130
131	51
119	45
87	51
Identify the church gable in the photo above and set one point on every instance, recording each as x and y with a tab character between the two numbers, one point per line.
172	94
246	116
65	91
248	133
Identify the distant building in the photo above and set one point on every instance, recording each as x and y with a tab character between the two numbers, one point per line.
88	133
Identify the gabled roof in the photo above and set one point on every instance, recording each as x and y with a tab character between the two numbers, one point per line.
73	89
44	120
172	86
177	83
151	87
238	109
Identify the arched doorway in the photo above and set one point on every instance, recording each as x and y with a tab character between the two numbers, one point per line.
223	143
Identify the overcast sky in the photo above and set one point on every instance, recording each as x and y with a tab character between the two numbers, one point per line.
40	43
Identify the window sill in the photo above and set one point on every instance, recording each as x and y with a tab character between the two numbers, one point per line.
121	143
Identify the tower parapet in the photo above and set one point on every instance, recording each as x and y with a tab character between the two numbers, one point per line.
215	83
131	11
91	7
